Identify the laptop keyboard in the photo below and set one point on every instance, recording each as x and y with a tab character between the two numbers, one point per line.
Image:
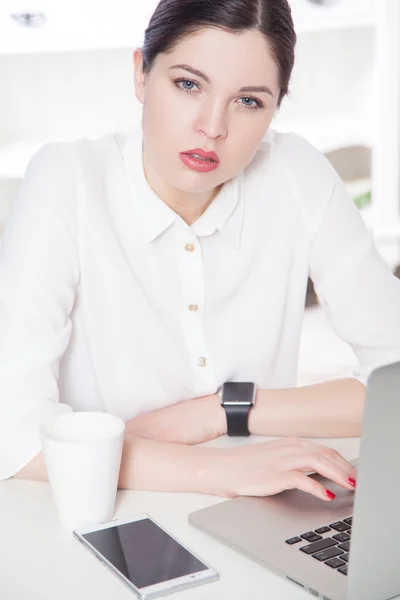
332	549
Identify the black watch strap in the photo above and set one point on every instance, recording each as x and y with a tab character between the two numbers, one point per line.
237	398
237	418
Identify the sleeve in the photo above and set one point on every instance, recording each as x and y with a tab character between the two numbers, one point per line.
356	287
39	273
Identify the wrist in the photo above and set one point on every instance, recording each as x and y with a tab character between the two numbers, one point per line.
238	399
253	415
262	407
211	472
163	466
220	415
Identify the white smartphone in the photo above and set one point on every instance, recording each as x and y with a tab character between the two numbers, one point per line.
150	561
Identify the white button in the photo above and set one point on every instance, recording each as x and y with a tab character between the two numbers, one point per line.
189	248
193	307
202	362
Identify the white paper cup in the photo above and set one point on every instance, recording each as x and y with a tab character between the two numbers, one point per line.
82	452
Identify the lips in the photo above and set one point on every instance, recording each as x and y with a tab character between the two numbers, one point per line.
203	154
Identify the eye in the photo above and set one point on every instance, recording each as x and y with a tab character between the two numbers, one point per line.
257	103
251	103
185	82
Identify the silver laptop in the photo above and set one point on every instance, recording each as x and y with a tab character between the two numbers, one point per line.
348	549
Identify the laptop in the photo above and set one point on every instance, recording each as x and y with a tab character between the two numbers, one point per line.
348	549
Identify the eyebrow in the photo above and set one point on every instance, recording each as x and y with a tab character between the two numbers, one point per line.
248	88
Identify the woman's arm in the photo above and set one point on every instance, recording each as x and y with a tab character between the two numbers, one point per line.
323	410
256	470
39	273
148	465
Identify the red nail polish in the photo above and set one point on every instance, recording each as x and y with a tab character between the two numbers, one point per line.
351	481
330	494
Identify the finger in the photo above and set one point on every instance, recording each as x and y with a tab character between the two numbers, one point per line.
338	459
297	480
314	461
330	453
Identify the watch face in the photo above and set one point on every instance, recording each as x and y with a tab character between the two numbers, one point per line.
238	392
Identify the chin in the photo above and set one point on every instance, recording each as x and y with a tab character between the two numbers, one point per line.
200	188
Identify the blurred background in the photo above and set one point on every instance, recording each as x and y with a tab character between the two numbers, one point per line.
66	72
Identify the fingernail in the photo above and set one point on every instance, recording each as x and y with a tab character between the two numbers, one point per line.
330	494
351	481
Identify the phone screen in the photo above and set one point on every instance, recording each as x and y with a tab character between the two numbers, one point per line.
144	553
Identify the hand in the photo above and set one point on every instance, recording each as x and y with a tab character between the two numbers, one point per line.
268	468
188	422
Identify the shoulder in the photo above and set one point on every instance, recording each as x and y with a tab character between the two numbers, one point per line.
293	153
62	173
298	169
56	175
66	157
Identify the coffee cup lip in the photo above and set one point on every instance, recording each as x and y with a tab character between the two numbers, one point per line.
105	426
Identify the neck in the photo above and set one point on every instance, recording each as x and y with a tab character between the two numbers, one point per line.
189	207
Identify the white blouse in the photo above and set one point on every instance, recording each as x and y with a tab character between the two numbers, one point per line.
109	301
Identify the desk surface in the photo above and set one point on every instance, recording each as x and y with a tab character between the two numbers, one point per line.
42	561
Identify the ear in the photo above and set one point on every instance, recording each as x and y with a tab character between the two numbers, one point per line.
139	77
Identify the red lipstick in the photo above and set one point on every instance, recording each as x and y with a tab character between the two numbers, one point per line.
202	153
199	160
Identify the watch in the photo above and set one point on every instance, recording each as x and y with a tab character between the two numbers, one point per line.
237	398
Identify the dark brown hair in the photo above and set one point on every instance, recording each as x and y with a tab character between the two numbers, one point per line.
175	20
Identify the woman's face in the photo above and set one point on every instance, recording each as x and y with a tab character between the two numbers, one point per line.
183	111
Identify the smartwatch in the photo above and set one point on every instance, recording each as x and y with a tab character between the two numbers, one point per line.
237	398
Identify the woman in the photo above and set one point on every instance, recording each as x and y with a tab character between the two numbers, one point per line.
137	276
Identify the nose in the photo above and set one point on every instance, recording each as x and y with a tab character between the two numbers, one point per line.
212	120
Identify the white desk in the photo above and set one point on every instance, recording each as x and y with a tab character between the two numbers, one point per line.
42	561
